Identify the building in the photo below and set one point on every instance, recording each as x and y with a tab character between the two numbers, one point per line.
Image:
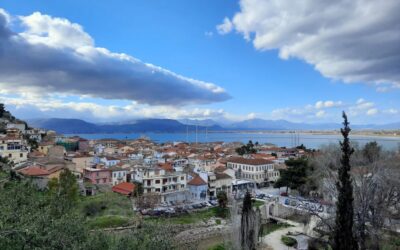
97	175
118	175
109	161
40	175
170	185
257	170
18	125
218	182
198	188
14	148
124	188
82	161
44	147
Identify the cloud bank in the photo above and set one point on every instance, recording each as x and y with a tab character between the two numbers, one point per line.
53	55
348	40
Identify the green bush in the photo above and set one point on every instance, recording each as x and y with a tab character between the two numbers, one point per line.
108	222
93	208
218	221
218	247
288	241
220	212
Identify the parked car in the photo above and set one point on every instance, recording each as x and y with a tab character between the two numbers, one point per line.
260	196
213	203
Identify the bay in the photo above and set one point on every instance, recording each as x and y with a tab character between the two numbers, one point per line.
280	139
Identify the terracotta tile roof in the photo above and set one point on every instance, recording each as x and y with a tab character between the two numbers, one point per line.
55	169
125	188
197	181
241	160
166	166
34	171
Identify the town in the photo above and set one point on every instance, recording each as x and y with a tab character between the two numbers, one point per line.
178	180
200	125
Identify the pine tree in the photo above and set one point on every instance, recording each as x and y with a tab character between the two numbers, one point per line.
343	234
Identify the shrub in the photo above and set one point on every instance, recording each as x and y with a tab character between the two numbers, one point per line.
94	208
218	221
108	222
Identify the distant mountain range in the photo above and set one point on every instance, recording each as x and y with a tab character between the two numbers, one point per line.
76	126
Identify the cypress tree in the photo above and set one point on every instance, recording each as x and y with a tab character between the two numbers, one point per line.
247	226
343	233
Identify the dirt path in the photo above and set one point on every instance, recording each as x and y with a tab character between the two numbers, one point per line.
274	239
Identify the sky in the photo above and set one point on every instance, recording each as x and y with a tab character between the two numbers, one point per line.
107	61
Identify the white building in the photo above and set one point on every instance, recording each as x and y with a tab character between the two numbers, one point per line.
13	148
20	126
118	175
170	185
109	161
257	170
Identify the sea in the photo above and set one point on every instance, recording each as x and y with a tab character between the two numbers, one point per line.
309	140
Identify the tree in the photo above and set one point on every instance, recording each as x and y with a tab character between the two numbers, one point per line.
64	191
372	151
295	175
2	109
138	191
222	199
343	236
249	225
247	149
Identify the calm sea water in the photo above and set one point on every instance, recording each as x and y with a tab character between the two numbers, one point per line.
279	139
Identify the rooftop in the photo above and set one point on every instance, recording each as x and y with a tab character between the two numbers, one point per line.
246	161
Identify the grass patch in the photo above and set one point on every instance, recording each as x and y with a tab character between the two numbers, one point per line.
391	243
218	247
258	203
108	203
108	221
288	241
271	227
194	217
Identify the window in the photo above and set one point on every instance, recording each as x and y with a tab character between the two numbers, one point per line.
115	175
9	155
21	155
182	178
157	181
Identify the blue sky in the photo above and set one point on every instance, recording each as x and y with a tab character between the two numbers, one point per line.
183	37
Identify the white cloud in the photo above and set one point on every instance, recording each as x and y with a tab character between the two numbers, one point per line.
225	27
327	104
320	113
354	41
208	33
373	111
392	111
32	106
53	55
